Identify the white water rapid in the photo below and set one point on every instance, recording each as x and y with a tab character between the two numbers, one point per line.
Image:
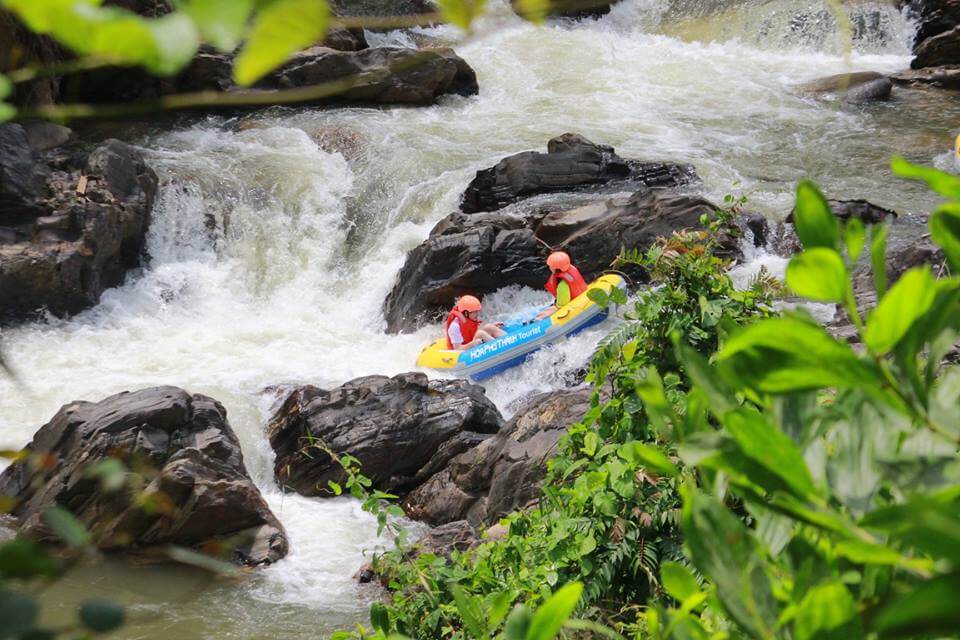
276	237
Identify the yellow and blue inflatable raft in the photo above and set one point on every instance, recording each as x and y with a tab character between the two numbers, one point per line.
521	340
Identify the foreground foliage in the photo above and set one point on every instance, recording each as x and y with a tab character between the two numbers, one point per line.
845	460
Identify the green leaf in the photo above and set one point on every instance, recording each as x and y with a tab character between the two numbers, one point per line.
67	527
819	274
792	354
679	582
518	623
725	551
599	297
533	10
815	224
22	558
855	237
380	617
497	607
282	28
638	453
175	41
7	112
770	448
945	231
906	302
336	488
943	183
590	443
6	87
461	13
221	22
468	606
827	612
101	615
705	377
550	616
866	553
878	258
927	609
18	613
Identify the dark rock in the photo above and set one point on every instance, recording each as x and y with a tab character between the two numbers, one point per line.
382	8
868	212
946	77
402	429
941	49
384	75
381	75
933	17
572	162
73	224
44	136
190	462
863	86
442	541
574	8
23	182
503	473
345	39
480	253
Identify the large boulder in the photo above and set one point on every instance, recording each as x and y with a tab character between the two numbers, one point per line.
932	17
71	222
480	253
401	429
380	75
571	162
193	492
941	49
503	473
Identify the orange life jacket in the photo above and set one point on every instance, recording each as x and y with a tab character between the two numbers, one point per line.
573	279
468	327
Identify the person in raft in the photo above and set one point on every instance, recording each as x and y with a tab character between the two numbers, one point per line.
565	282
464	330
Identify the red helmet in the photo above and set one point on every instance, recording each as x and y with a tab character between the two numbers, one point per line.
558	261
468	303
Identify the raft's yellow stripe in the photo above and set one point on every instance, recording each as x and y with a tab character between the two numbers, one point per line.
437	356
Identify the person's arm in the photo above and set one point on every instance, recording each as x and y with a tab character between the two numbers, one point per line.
455	335
563	294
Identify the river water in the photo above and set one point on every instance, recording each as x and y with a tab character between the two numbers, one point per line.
276	237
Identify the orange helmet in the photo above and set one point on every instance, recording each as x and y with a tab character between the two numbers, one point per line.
558	261
468	303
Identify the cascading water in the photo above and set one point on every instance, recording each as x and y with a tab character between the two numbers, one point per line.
276	237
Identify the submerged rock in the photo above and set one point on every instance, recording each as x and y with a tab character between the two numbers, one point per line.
401	429
71	223
862	86
503	473
480	253
195	492
572	162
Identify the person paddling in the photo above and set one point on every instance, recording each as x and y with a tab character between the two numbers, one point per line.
464	329
565	282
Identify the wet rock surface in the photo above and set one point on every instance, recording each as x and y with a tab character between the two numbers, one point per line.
72	222
480	253
401	429
572	162
852	88
941	49
193	478
503	473
379	75
945	77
